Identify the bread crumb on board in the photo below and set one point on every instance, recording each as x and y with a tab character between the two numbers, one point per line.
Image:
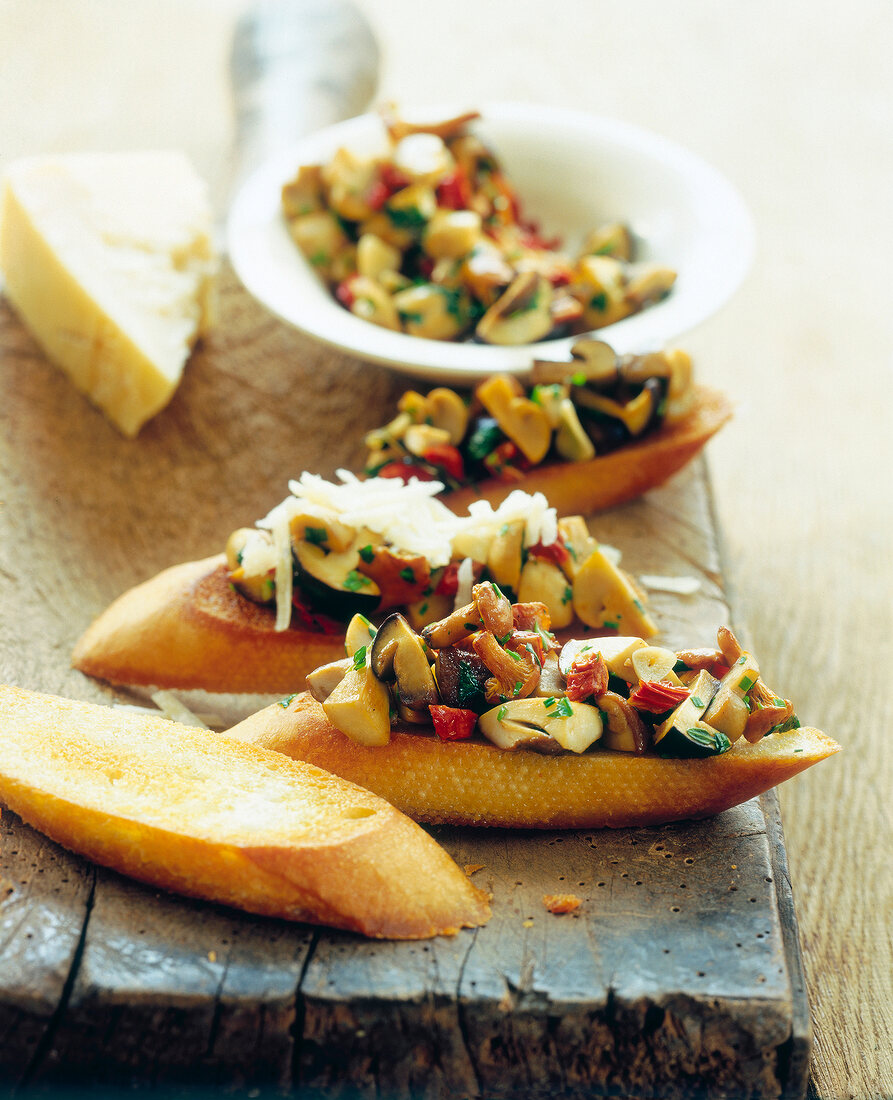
561	903
470	868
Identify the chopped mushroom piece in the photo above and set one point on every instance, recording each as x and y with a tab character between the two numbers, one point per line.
359	706
522	315
323	680
524	422
625	729
397	655
571	726
514	676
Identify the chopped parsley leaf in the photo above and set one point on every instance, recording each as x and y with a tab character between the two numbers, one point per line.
578	379
367	554
514	656
359	658
318	259
407	575
354	581
637	604
284	702
698	701
610	625
599	302
518	687
500	714
315	535
563	708
423	608
746	683
568	594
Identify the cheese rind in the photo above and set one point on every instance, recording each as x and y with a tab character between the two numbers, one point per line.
109	260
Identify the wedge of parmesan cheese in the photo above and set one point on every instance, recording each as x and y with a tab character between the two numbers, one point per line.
109	260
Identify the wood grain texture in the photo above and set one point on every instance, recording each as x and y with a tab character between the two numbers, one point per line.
791	101
643	989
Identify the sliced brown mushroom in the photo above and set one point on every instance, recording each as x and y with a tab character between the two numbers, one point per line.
571	440
522	315
522	420
613	239
322	681
461	678
625	730
523	723
398	656
359	706
448	412
648	283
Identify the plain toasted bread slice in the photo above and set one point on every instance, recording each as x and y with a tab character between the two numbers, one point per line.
475	783
607	480
203	815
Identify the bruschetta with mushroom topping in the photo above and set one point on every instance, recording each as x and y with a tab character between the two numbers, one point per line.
277	603
529	733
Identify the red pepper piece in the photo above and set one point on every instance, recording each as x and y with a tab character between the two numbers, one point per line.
393	178
656	696
448	585
447	458
507	462
314	621
344	293
454	192
588	676
404	471
556	552
453	723
377	195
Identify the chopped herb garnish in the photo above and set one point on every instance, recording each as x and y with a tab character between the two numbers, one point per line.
409	217
798	750
741	660
497	590
367	554
411	316
472	626
423	608
698	701
284	702
500	714
504	638
359	658
563	708
746	683
354	581
315	535
610	625
514	656
599	302
568	594
637	604
407	575
318	259
518	687
467	687
792	723
680	666
578	379
504	529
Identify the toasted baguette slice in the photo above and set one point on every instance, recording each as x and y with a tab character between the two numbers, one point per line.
214	818
188	628
475	783
621	475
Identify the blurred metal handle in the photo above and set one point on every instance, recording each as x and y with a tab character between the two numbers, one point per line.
296	66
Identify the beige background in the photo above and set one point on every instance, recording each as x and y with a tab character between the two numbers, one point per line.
794	101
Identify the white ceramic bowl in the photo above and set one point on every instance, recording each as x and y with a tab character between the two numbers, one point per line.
572	172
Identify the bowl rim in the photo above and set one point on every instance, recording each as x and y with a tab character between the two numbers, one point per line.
255	224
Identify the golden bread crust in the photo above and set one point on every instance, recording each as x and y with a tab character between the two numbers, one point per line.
189	628
475	783
214	818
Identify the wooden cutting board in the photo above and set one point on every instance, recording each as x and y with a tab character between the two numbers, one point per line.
679	976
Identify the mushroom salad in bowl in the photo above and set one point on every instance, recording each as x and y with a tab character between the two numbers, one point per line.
448	248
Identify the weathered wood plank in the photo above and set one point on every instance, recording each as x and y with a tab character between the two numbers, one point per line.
45	893
644	988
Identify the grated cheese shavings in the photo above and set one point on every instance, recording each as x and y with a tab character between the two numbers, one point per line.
541	520
464	582
176	710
